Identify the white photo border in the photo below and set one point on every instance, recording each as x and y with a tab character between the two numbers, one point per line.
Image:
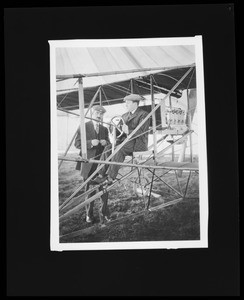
55	245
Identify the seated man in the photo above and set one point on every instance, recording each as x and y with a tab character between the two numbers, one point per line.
132	119
97	139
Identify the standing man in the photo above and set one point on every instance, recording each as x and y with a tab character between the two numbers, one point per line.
97	139
134	116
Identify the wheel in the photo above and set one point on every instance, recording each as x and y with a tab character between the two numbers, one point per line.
117	122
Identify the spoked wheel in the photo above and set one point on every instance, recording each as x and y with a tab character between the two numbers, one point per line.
117	122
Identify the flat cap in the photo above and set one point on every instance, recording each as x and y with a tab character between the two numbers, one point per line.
133	97
99	108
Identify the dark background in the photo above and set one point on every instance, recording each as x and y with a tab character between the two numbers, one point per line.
32	269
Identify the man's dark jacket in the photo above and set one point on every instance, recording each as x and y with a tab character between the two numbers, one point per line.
92	151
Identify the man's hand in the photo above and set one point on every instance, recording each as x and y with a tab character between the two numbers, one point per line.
95	142
103	142
125	128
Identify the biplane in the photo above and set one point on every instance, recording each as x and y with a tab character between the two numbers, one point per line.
167	122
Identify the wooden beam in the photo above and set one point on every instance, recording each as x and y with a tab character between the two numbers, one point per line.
153	120
173	148
139	166
124	177
162	112
100	96
82	119
188	179
171	202
121	164
90	190
189	123
87	201
131	86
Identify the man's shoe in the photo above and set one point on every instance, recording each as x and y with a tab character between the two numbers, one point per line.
104	220
89	219
98	180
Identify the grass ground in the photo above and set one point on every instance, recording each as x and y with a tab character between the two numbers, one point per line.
176	222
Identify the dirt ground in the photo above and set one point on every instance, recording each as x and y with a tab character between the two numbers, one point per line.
131	221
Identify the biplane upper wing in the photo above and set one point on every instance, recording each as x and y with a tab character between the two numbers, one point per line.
113	93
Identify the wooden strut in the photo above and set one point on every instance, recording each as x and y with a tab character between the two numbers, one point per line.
97	195
82	120
177	178
100	193
173	150
90	230
153	122
94	188
189	123
136	166
91	189
149	197
165	204
79	198
87	192
188	179
142	189
173	189
122	144
158	166
132	86
72	159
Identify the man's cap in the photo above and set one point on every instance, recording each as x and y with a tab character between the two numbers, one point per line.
133	97
99	108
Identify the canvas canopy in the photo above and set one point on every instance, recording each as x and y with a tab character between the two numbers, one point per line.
165	64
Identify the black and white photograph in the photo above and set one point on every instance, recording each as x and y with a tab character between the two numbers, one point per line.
121	129
129	163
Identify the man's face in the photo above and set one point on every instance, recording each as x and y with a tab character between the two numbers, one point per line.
130	105
97	115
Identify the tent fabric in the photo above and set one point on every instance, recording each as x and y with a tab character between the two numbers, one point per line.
115	87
